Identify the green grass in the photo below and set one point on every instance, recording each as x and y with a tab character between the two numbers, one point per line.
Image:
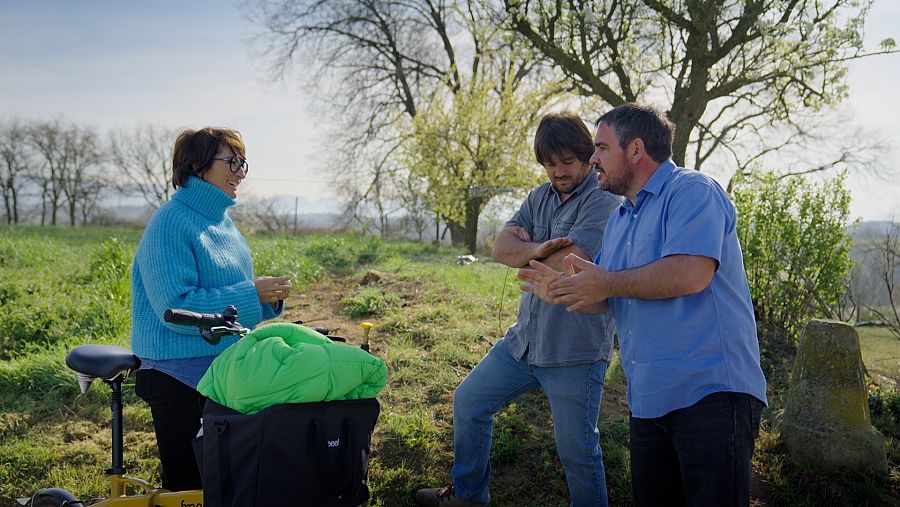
880	350
60	287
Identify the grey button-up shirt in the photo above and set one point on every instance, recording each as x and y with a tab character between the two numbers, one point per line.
548	333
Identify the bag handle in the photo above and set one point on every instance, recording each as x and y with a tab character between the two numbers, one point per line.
344	483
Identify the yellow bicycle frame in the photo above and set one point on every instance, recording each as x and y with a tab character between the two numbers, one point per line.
150	496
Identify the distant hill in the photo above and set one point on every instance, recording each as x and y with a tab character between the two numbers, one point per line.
863	229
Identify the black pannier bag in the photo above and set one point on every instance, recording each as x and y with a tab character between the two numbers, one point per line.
314	454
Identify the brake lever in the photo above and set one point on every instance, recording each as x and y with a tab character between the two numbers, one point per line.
214	335
211	336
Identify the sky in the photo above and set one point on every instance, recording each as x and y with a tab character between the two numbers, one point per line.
112	64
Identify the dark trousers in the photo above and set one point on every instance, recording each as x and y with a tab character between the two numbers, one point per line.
176	410
698	455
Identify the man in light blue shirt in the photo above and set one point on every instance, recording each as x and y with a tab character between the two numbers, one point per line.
563	353
672	275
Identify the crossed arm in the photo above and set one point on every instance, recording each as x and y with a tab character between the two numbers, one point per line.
515	249
585	287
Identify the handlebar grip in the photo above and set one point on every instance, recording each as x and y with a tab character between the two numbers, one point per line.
187	318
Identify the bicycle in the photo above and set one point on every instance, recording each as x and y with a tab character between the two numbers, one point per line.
113	365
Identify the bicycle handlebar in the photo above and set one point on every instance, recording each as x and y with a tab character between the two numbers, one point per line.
201	320
213	326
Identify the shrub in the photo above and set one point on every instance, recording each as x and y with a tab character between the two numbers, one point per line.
796	248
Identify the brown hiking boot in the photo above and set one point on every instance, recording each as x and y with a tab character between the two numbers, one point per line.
441	497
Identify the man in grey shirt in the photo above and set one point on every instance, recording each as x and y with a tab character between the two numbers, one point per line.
565	354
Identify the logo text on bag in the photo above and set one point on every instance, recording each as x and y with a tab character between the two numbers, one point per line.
334	443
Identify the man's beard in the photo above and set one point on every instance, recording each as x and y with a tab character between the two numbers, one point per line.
619	186
573	185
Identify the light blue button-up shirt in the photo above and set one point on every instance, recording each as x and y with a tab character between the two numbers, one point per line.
676	351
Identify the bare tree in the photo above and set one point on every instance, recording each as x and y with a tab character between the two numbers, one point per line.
81	180
883	254
263	214
376	205
91	189
70	155
15	160
730	72
144	157
46	137
849	305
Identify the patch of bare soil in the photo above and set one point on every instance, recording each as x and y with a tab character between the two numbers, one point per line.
614	401
320	305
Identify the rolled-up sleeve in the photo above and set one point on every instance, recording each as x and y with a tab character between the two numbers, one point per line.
523	217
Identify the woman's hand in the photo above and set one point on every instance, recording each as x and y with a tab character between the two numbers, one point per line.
272	289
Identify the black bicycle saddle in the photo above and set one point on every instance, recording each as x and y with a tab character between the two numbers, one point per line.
102	361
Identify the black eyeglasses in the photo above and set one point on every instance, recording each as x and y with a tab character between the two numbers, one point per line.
235	163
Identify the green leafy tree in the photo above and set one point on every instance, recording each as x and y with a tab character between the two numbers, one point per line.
469	146
796	247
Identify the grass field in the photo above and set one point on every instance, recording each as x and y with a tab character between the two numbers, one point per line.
434	321
880	351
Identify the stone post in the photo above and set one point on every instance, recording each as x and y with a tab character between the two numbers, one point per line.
826	420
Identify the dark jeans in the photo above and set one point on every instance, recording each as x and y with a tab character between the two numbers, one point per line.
698	455
176	410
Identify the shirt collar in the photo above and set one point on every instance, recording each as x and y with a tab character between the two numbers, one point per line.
659	177
654	184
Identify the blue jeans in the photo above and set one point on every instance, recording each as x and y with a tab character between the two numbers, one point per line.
698	455
574	393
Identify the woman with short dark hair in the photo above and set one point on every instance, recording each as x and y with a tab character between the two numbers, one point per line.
192	257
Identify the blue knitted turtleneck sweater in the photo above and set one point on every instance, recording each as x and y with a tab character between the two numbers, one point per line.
191	257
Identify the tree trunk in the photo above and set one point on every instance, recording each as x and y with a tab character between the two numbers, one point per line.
457	233
72	215
44	208
473	210
685	120
7	205
466	234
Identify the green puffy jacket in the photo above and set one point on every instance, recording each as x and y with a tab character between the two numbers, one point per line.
286	363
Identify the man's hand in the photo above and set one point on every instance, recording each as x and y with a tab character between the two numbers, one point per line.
565	287
538	279
515	248
582	286
543	250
